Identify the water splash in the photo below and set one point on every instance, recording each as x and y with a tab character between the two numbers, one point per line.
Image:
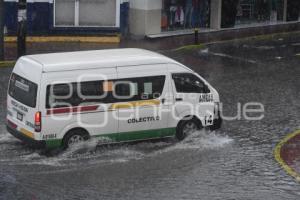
201	140
264	47
6	138
90	153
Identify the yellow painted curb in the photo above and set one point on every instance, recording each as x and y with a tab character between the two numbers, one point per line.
7	63
278	158
88	39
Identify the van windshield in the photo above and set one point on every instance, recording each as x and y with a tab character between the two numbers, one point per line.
23	90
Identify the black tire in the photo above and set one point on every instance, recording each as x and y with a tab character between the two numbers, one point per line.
80	134
181	131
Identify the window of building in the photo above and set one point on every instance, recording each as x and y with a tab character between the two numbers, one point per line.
185	14
247	12
188	83
86	13
293	10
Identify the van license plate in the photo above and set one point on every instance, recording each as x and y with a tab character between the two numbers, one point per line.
20	116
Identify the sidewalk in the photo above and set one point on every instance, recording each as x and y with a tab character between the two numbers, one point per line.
50	47
157	45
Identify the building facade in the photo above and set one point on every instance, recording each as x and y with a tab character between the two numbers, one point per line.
47	17
146	17
159	16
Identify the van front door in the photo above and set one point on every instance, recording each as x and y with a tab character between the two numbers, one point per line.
193	97
143	107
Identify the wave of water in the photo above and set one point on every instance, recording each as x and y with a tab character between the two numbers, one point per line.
90	153
6	138
203	140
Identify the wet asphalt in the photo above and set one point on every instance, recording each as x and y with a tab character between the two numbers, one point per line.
235	162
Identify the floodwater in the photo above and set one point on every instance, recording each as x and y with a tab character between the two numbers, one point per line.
235	162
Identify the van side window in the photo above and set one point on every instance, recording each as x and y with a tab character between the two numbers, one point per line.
152	87
143	88
76	94
93	92
126	90
188	83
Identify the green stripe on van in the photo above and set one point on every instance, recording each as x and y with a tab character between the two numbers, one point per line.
125	136
139	135
52	144
146	134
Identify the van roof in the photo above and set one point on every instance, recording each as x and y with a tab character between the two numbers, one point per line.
97	59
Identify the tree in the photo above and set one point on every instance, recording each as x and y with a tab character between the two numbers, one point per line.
1	29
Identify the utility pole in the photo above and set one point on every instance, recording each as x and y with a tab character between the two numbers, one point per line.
22	28
1	29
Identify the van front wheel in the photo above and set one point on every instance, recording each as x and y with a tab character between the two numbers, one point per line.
186	128
74	137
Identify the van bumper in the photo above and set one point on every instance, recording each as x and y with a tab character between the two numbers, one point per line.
31	142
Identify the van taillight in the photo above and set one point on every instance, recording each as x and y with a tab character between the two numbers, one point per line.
37	122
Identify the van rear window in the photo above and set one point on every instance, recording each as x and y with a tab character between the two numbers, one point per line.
23	90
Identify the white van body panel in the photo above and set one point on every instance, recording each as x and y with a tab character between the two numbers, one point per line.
102	119
189	104
97	59
30	70
98	122
162	111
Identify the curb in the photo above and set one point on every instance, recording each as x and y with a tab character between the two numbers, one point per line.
249	38
87	39
4	64
277	154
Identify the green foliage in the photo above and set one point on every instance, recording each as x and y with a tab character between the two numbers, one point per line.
191	47
7	63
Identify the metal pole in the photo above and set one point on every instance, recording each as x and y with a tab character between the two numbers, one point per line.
196	36
1	29
22	28
284	10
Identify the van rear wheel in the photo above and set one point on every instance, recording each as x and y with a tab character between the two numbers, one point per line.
74	137
186	128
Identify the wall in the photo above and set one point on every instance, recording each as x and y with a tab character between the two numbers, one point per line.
40	20
38	17
145	17
10	19
215	14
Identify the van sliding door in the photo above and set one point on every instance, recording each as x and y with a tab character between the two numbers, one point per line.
142	106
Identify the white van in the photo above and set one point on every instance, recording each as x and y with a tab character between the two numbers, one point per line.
57	100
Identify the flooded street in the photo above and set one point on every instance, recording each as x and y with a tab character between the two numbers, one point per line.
235	162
